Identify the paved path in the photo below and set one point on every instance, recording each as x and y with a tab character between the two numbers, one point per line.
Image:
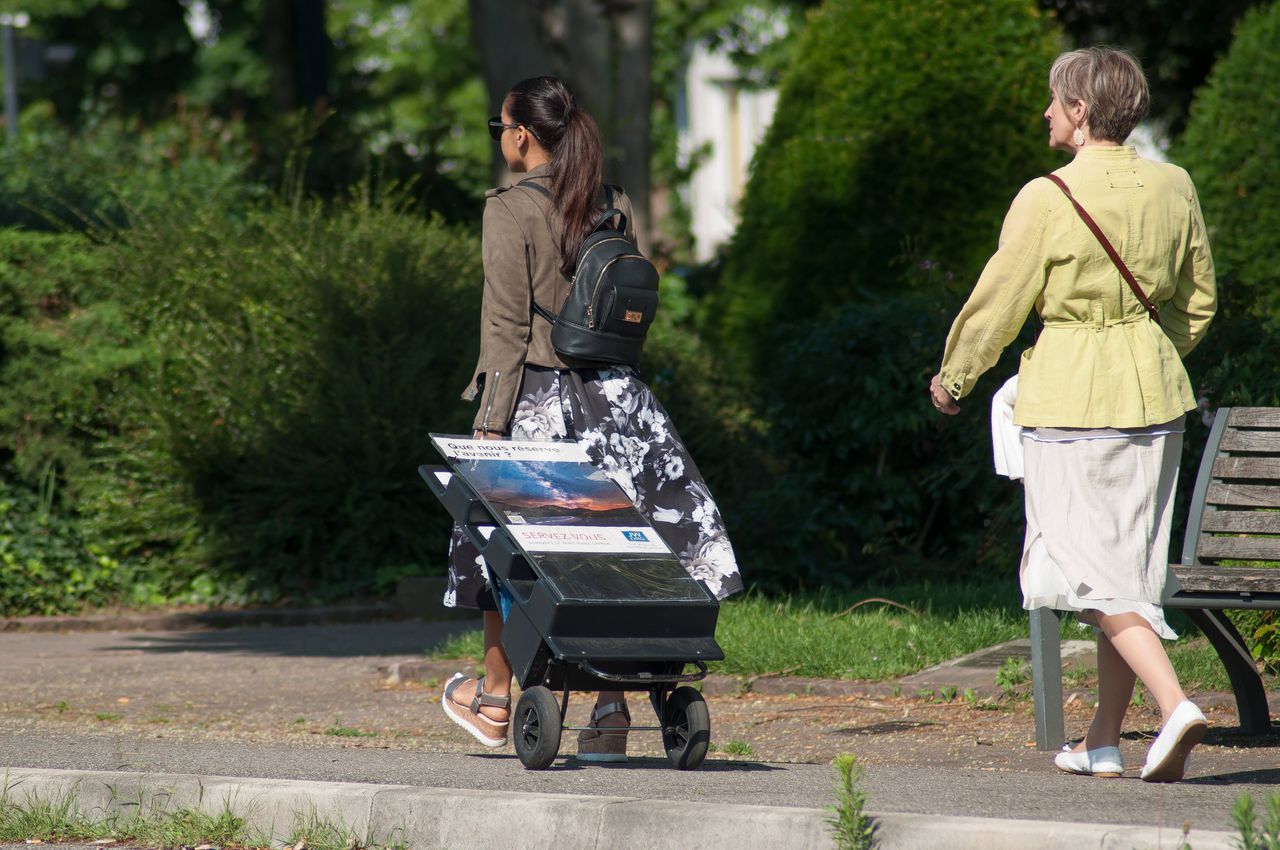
309	704
920	789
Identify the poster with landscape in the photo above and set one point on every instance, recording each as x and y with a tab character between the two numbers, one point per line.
550	498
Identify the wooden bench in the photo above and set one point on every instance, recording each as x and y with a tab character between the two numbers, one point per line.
1229	558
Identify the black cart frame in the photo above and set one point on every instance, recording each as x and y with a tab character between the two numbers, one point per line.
559	639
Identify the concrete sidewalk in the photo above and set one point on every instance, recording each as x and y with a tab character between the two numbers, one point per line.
459	819
303	713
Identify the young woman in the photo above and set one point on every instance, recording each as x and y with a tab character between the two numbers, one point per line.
527	391
1103	393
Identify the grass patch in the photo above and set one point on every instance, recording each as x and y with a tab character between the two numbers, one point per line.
463	645
812	635
338	731
809	635
61	819
1197	664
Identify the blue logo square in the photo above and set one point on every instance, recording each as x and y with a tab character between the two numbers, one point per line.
635	536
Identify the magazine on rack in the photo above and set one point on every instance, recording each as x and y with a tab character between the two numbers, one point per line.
576	524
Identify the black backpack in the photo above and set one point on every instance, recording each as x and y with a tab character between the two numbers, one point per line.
612	298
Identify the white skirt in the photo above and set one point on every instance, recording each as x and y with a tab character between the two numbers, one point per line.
1098	518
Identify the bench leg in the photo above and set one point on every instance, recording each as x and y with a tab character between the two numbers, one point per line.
1251	697
1046	678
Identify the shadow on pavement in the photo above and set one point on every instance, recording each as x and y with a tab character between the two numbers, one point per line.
325	641
569	763
1244	777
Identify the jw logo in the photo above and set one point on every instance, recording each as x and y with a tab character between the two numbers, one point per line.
635	536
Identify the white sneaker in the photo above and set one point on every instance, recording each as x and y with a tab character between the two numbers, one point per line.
1169	756
1103	762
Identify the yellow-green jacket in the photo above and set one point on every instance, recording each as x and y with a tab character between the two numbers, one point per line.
1100	361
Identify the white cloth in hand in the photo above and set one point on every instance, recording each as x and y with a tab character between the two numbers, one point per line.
1006	438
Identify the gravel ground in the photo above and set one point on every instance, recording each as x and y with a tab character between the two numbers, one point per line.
326	686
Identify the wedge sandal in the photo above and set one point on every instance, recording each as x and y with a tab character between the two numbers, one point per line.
604	743
490	733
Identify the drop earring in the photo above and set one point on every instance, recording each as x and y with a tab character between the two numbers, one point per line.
1077	138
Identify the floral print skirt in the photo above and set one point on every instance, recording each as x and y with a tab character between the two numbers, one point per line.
628	435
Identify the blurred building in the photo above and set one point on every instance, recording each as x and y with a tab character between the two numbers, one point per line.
720	121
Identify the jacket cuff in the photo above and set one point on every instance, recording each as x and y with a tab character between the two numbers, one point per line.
499	390
955	383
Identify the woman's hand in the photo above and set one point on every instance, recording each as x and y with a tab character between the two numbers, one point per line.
942	399
486	435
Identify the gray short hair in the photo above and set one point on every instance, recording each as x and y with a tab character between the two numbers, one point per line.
1110	81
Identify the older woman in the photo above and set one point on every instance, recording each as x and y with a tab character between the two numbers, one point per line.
1102	394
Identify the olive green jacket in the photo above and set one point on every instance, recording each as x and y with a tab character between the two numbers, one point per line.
1100	361
521	252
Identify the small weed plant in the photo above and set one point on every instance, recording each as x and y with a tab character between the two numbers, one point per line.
1255	836
1013	673
851	829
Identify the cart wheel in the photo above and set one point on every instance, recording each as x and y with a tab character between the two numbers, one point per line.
686	728
536	728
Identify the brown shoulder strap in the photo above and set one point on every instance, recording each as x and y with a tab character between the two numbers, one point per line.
1111	251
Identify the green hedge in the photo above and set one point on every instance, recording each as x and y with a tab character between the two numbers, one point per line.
1232	149
233	398
62	353
302	355
901	136
53	179
901	128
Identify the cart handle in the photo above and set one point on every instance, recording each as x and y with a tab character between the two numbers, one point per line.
644	678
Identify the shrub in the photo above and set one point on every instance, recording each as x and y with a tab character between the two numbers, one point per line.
1231	147
64	347
912	122
46	567
869	478
298	357
1231	150
64	351
710	405
52	179
233	398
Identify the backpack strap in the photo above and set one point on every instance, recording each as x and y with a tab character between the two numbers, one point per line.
610	210
534	184
543	190
608	214
1111	251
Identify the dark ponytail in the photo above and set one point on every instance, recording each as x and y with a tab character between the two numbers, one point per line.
547	108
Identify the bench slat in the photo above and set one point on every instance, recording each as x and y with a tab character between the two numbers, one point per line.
1245	495
1254	417
1227	579
1247	467
1242	548
1250	441
1258	522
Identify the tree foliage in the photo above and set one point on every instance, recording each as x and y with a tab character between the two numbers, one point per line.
907	126
1177	43
1232	150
